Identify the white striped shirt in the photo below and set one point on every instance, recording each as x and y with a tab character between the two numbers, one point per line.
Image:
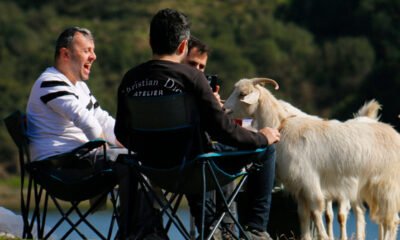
62	116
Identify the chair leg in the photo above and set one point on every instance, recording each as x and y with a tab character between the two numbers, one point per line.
64	217
36	213
177	198
25	203
226	203
44	212
203	207
115	215
192	228
166	206
82	218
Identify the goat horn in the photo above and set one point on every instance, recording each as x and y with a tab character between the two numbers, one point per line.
265	80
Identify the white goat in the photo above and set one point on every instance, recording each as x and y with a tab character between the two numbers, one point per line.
343	203
381	191
317	160
368	112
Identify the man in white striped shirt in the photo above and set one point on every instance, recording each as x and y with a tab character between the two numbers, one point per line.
62	113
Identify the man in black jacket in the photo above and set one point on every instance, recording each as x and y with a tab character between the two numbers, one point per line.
165	75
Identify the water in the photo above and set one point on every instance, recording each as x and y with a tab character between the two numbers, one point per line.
371	227
101	220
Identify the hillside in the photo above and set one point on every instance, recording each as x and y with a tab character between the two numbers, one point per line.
326	63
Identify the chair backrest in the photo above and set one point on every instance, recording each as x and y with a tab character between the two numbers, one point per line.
16	127
73	182
161	112
163	131
162	128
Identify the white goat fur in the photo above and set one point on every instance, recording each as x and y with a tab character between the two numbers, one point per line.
318	160
381	191
369	111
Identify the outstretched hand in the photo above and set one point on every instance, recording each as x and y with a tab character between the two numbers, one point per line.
272	135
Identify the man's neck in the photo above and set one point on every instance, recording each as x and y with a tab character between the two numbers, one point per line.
171	58
66	73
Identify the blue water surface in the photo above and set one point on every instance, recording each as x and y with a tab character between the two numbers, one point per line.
101	220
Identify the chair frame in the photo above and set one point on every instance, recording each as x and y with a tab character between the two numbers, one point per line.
151	107
170	201
16	125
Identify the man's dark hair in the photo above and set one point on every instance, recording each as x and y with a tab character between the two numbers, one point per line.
67	36
194	42
167	30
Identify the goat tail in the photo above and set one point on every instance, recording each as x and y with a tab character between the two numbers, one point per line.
370	109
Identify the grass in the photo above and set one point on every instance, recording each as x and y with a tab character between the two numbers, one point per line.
10	192
13	181
7	237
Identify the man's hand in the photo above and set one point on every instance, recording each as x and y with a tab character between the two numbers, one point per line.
217	96
272	135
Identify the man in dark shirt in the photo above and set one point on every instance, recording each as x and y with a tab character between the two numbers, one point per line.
165	75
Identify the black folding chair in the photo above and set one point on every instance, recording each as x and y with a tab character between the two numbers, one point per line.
161	130
67	180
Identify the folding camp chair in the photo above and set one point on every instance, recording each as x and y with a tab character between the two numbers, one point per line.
67	187
162	130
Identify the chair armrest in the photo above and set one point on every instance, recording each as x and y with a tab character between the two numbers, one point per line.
88	146
231	153
233	162
75	158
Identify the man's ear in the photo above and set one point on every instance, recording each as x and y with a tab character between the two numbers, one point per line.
64	52
182	47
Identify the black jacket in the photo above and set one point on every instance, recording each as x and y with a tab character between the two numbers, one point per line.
157	78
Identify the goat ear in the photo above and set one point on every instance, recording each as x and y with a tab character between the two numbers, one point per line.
251	98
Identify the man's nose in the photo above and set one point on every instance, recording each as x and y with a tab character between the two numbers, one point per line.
93	56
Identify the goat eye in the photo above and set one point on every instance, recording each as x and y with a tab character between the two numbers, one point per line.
242	95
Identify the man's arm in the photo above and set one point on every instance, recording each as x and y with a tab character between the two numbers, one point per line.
63	100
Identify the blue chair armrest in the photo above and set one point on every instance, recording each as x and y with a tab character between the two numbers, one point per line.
233	162
231	153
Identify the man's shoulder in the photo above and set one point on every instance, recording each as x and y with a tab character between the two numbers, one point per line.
50	82
153	66
52	76
135	69
184	70
181	67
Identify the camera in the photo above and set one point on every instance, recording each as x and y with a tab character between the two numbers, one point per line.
213	80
